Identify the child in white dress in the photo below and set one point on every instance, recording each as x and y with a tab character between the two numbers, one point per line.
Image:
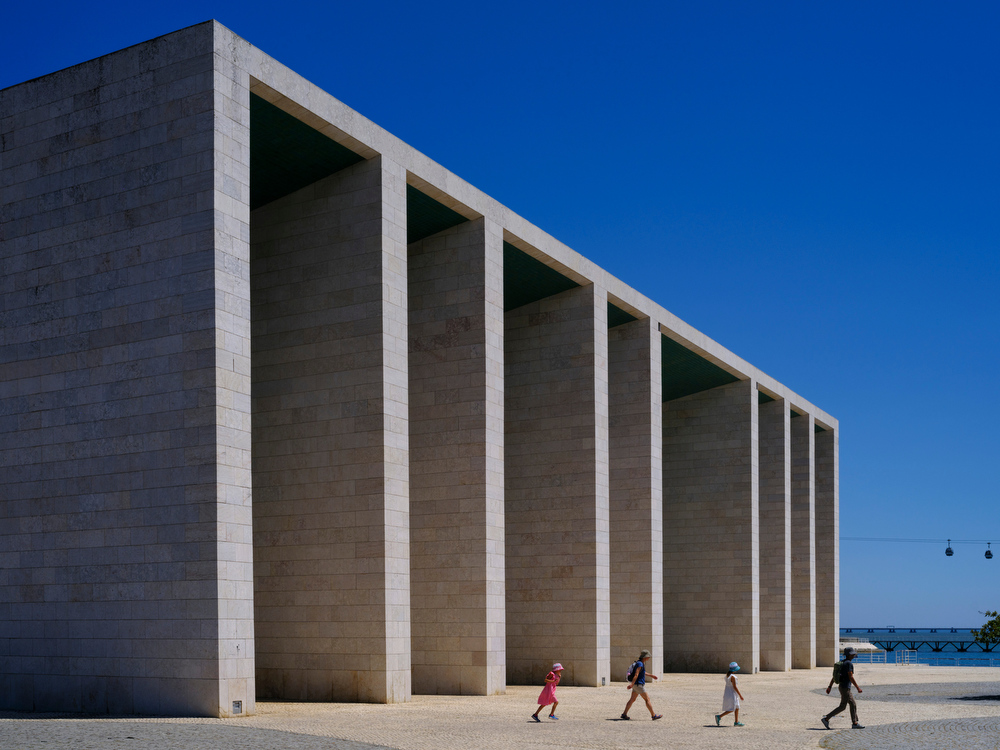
731	698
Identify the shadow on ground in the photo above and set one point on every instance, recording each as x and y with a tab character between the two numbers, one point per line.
129	734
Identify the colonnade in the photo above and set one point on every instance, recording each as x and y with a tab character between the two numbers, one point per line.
449	496
293	412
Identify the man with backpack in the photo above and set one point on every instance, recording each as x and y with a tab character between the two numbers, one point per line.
843	675
637	684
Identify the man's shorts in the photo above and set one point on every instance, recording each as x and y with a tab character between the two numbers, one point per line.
640	689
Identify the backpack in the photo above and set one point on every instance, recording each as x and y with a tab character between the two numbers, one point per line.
632	670
838	668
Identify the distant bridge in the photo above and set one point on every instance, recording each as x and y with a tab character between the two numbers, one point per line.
957	640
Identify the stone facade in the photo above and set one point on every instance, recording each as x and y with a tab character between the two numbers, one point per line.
775	537
827	548
456	461
325	422
803	542
556	459
635	435
127	550
330	465
711	540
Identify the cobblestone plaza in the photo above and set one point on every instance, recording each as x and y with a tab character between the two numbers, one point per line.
291	412
902	708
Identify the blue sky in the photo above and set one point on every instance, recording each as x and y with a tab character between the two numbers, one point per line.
813	185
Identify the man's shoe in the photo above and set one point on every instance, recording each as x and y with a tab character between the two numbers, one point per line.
826	722
624	717
856	726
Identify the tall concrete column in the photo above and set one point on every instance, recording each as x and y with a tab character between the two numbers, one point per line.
827	548
124	374
330	439
635	430
775	537
234	439
556	399
710	530
803	543
456	461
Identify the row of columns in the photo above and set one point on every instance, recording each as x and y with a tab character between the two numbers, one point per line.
448	497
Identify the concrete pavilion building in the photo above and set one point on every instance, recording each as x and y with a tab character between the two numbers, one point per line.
289	411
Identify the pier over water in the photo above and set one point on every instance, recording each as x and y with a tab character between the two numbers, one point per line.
938	640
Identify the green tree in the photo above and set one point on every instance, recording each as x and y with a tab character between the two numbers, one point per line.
990	632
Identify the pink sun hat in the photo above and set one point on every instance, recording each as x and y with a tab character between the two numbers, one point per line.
557	666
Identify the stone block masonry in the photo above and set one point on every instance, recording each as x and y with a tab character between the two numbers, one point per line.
331	571
556	446
635	439
711	543
288	410
775	537
827	547
803	542
126	382
457	461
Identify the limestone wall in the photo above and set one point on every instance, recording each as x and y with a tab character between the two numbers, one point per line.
330	432
457	461
636	493
125	382
710	530
292	456
827	548
775	537
803	543
556	488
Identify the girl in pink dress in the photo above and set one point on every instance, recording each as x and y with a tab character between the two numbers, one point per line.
548	694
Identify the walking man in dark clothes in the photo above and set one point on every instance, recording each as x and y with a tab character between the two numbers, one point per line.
846	699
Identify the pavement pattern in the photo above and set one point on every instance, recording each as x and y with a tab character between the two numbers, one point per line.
911	708
961	734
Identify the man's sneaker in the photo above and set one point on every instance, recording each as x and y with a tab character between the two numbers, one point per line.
625	717
826	722
856	726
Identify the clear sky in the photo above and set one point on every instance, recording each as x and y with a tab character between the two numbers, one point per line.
814	185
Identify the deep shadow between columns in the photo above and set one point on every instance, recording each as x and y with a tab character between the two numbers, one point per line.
556	498
456	461
710	543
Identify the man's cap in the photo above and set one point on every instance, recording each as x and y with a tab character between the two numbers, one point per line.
850	651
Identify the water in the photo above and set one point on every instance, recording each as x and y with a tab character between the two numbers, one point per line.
947	641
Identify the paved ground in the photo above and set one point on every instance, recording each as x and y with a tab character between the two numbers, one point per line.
911	708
